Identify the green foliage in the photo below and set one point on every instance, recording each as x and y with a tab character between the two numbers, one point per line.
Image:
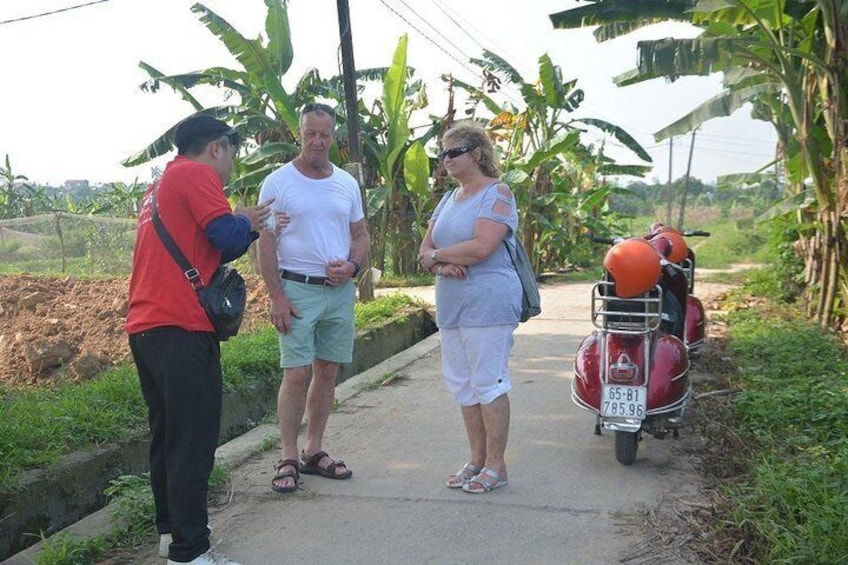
39	426
251	358
133	521
784	264
65	549
392	281
793	415
134	510
729	243
376	312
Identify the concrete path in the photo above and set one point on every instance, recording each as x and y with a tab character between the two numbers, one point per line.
568	500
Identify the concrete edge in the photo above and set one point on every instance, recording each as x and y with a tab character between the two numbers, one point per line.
239	449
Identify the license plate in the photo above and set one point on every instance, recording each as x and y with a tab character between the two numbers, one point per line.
619	401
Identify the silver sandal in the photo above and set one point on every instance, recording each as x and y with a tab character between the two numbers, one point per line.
465	474
486	480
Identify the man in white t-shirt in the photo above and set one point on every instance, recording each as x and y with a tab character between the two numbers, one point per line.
308	269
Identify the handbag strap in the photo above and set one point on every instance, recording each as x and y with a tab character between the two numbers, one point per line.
510	250
191	273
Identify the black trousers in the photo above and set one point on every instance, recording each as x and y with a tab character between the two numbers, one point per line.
180	375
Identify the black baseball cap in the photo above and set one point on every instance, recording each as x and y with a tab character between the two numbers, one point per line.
199	129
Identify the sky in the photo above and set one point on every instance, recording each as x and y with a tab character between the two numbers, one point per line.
71	106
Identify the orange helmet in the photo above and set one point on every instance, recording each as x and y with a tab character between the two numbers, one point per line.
669	243
634	266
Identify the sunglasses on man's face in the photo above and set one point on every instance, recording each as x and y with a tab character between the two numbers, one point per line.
313	106
455	152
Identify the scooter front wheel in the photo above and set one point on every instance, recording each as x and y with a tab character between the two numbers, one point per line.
626	444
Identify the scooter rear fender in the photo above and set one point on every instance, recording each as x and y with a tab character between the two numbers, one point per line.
669	378
696	323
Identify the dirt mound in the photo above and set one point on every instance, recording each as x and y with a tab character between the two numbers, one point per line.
50	327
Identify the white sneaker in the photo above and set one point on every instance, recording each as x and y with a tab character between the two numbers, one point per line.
164	541
211	557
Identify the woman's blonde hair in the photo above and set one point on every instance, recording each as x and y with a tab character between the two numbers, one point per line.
471	134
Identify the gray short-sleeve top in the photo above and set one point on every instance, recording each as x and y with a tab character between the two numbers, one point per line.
491	293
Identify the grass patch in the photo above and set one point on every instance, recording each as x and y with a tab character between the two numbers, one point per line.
39	426
377	312
385	379
730	243
789	419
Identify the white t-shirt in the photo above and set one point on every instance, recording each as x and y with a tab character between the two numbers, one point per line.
321	212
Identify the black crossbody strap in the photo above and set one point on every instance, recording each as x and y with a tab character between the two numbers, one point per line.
190	273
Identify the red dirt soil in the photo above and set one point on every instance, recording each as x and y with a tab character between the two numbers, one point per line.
80	320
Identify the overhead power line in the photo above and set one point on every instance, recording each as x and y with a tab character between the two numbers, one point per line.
428	38
50	13
464	25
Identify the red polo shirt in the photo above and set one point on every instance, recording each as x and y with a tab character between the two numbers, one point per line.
190	196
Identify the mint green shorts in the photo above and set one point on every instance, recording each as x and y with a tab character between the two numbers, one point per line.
325	329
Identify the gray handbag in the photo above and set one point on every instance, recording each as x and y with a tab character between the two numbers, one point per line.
531	302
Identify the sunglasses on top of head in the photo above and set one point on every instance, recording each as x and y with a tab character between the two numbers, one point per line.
455	152
317	106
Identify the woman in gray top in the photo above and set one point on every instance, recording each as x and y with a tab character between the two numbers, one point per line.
478	300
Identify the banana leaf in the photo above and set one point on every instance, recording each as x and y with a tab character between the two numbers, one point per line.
621	135
416	171
256	60
174	82
270	150
165	142
723	104
279	34
499	65
394	90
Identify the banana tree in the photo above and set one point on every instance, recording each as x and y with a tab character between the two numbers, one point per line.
789	60
398	165
15	193
261	108
539	142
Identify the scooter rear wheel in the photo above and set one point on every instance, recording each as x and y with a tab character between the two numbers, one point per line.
626	444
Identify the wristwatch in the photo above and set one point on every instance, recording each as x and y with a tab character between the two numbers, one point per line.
433	255
356	269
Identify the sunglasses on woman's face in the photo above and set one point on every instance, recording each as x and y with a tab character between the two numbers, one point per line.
456	152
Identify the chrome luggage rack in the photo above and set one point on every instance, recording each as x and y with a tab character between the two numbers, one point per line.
632	316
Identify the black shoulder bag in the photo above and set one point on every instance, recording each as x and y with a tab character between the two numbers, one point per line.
223	299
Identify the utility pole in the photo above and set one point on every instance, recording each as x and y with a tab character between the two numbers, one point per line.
366	286
669	193
349	81
682	211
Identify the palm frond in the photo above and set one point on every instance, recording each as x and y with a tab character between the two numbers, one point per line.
672	58
165	142
178	84
612	11
723	104
620	135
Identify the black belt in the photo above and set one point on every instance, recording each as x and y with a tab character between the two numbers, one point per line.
308	279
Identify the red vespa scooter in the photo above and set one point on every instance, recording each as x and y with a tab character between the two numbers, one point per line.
632	372
696	318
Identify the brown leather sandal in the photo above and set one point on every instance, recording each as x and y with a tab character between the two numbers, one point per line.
311	466
280	474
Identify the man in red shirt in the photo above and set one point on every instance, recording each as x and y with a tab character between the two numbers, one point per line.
172	340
